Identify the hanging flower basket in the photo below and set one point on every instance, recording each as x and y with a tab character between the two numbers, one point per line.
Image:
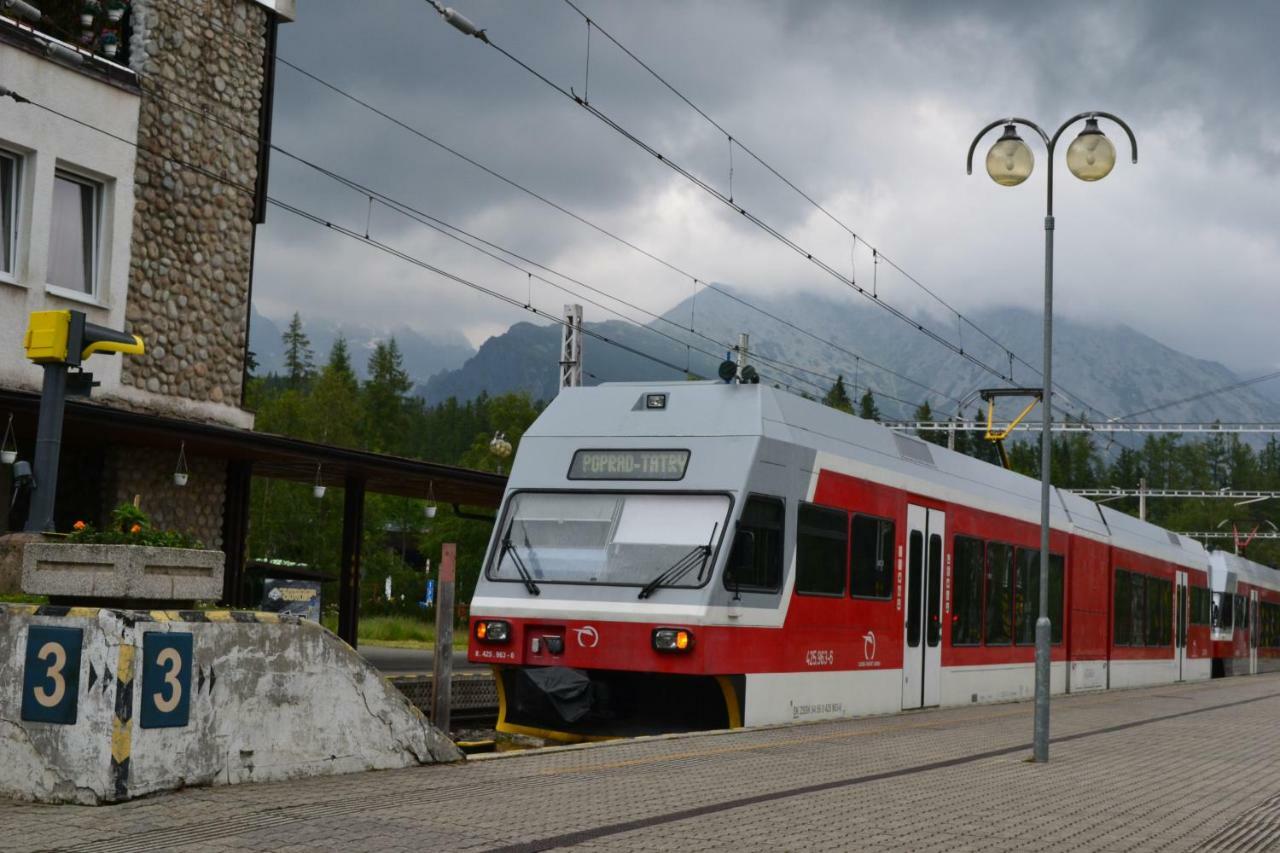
115	10
317	491
181	473
8	445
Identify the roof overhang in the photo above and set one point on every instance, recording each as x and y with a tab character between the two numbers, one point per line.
274	456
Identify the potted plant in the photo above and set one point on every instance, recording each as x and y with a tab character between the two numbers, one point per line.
88	11
130	559
110	43
115	10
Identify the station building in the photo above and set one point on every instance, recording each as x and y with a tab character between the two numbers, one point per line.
132	179
134	142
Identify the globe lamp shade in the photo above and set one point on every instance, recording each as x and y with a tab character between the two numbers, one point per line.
1091	156
1009	162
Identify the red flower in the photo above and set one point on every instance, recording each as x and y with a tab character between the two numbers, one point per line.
137	528
79	525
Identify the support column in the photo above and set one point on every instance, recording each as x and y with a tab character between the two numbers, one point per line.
349	573
235	531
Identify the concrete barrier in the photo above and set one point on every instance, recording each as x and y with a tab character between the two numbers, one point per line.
101	705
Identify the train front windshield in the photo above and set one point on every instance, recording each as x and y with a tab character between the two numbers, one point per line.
610	538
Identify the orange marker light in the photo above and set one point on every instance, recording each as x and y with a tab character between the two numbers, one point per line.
482	628
682	640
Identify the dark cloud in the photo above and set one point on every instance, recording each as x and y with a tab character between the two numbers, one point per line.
869	107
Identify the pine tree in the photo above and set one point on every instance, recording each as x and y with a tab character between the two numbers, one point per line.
299	361
838	396
867	409
384	402
333	406
933	436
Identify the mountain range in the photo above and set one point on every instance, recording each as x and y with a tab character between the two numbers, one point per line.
423	357
1101	370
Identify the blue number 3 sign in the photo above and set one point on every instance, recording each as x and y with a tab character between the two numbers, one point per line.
51	674
166	680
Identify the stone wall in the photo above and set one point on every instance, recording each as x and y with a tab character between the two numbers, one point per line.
192	247
195	508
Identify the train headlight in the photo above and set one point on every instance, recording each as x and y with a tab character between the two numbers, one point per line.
493	631
672	640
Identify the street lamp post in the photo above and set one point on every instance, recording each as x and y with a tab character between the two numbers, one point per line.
1090	157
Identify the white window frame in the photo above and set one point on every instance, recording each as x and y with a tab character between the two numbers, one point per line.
15	206
99	201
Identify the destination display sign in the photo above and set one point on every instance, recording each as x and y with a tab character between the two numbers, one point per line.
629	465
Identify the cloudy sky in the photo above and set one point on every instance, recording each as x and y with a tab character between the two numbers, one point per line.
868	107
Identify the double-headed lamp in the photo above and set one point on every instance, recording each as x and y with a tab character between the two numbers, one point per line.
1091	156
1009	162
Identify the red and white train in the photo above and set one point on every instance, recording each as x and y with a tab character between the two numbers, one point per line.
702	555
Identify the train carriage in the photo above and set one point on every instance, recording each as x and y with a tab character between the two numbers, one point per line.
1245	615
701	554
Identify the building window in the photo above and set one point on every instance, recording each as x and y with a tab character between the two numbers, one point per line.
756	561
822	550
966	592
871	560
74	233
10	173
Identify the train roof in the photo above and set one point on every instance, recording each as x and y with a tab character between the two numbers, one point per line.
1245	569
844	442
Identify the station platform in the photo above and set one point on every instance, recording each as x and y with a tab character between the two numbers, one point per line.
1180	767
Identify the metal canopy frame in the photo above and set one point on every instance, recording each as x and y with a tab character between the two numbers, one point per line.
256	454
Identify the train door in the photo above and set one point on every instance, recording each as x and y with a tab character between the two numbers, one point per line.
922	610
1253	632
1180	623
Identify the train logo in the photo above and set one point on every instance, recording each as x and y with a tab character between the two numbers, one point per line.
588	637
869	645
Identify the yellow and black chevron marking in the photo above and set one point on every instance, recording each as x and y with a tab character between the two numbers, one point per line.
122	724
132	616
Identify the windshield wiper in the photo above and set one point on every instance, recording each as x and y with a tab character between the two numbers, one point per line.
682	567
508	548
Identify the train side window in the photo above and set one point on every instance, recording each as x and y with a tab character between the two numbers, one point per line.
1199	608
915	565
1159	611
822	550
871	558
1057	578
966	591
933	603
1026	599
756	560
1241	614
1138	609
1222	615
1123	609
999	595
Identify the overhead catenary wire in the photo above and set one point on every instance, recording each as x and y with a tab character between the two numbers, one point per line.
461	235
856	238
250	191
542	199
207	114
1234	386
756	220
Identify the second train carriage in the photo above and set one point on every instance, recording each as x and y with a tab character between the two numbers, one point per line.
1245	616
700	554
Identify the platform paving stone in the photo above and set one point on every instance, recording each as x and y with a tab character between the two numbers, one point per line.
1183	767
